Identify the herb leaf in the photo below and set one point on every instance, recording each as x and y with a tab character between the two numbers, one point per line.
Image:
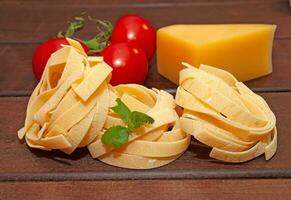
122	110
118	135
115	136
137	119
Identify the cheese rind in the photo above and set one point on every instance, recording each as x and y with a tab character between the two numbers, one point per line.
245	50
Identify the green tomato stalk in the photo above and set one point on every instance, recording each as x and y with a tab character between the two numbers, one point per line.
99	41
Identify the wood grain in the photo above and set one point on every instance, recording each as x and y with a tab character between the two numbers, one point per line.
34	174
111	3
37	21
19	79
21	163
160	189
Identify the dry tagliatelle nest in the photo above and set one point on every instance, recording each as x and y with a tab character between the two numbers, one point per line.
224	114
71	108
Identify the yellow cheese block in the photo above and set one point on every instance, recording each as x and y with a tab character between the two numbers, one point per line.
245	50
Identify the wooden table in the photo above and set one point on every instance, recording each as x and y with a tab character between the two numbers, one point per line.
33	174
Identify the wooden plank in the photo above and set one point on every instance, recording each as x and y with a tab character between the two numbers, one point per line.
16	62
18	162
102	175
136	2
163	189
33	22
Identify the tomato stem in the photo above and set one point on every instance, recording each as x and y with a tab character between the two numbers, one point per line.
101	39
76	25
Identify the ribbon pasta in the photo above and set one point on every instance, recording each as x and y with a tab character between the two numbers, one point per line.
70	108
224	114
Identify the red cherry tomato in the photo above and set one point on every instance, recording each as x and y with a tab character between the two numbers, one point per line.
137	30
43	52
129	63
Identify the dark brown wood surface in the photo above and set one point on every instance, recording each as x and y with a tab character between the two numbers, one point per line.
268	189
35	174
37	21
